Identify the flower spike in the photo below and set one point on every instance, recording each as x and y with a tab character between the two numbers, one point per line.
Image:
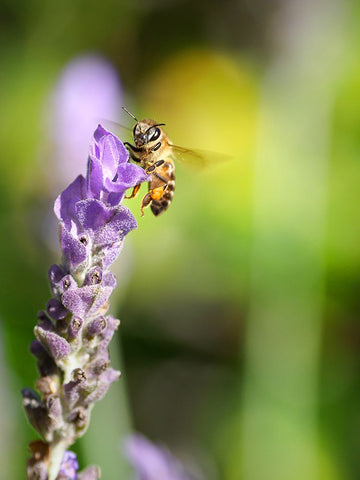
73	333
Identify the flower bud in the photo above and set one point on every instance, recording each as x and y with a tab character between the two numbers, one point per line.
74	327
57	346
96	326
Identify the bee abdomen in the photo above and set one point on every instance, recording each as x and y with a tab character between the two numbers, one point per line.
159	206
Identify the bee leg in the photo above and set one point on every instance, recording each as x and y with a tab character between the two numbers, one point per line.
132	150
157	146
154	194
158	192
153	167
159	163
145	202
134	192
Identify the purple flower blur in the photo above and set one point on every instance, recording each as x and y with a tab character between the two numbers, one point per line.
87	91
152	462
73	333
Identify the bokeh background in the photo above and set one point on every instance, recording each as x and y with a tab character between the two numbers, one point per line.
239	307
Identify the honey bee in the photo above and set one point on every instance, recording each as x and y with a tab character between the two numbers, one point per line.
153	151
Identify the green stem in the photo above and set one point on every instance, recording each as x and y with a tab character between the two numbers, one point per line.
57	450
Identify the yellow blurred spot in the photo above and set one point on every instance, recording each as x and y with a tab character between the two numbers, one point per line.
207	100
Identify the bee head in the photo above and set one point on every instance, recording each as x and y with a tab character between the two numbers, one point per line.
146	131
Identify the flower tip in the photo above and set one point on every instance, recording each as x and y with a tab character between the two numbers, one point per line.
100	132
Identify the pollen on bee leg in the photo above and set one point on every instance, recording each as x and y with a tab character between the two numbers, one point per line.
157	193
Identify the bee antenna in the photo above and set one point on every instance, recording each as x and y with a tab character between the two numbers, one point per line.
129	113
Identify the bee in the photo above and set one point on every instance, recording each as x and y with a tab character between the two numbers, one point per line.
152	151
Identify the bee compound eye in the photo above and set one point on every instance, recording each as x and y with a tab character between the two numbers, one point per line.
157	133
154	134
136	130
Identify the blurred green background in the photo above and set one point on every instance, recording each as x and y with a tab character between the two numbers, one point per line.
239	339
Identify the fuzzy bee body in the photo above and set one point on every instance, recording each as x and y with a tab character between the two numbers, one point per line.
152	150
160	197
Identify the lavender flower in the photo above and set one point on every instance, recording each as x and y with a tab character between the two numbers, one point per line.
87	89
152	462
73	333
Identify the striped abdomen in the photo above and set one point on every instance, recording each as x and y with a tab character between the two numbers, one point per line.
164	175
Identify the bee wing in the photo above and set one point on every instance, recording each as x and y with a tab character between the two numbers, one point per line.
117	128
198	159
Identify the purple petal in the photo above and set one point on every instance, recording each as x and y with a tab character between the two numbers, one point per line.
109	150
117	227
67	283
45	322
78	300
73	249
86	300
109	280
108	255
65	203
107	224
101	297
55	274
104	382
60	281
115	198
69	466
93	214
112	325
106	153
109	169
57	346
95	178
128	175
132	175
99	133
55	309
45	363
37	349
110	154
